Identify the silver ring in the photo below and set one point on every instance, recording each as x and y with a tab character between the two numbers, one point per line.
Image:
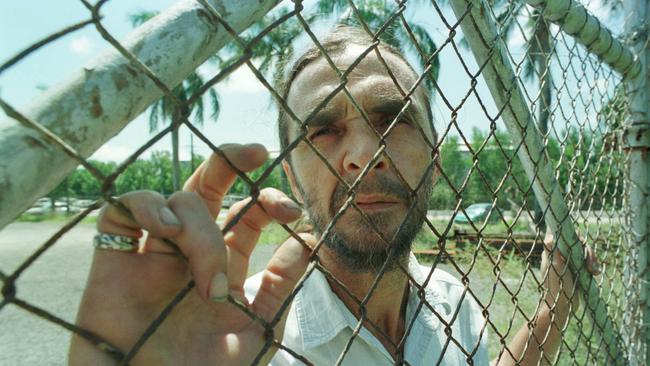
115	242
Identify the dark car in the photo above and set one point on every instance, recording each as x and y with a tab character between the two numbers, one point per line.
477	213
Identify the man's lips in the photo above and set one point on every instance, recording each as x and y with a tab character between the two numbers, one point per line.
375	202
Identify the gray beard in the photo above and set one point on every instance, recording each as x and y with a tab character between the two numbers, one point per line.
374	254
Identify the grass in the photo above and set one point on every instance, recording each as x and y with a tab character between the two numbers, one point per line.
273	234
53	217
501	282
507	285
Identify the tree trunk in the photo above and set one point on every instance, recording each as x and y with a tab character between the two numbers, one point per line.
191	153
176	166
542	59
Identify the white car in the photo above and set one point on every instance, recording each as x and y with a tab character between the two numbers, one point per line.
231	199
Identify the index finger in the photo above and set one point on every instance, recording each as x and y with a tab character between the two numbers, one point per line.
214	177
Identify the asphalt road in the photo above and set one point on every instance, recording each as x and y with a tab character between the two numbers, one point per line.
54	283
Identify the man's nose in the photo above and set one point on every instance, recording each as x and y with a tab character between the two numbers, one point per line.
362	146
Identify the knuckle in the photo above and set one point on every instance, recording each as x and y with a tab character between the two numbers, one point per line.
238	206
185	199
209	192
102	219
141	196
272	194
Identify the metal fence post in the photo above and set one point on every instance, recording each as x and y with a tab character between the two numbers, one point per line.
636	140
479	28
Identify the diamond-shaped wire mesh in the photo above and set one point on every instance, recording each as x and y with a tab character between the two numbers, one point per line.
465	192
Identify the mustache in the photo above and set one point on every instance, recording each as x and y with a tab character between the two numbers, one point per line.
380	185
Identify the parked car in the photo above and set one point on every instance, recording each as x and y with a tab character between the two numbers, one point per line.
41	207
81	203
477	213
231	199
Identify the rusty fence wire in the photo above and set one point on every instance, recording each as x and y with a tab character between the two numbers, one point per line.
536	125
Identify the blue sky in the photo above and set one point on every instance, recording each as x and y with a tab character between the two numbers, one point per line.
246	115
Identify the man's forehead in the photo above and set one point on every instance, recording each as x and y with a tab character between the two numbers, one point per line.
369	80
368	92
321	70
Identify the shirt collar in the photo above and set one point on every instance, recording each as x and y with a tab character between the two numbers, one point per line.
437	299
322	315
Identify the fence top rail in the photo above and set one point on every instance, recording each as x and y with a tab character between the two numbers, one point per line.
97	101
575	20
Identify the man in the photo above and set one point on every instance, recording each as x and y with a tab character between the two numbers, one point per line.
364	257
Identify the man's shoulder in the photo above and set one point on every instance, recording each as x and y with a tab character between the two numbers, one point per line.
440	277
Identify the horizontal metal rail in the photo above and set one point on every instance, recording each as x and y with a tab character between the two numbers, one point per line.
575	20
96	102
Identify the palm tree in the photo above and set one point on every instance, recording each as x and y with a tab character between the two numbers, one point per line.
165	110
276	47
374	14
536	61
278	44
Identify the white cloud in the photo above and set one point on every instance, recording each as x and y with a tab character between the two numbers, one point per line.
241	80
517	40
81	45
109	152
244	81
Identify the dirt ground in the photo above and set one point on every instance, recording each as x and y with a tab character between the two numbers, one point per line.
54	283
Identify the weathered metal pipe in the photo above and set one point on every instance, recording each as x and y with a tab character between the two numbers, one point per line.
96	102
636	140
575	20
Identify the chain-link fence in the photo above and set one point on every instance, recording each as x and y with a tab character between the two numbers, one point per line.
555	98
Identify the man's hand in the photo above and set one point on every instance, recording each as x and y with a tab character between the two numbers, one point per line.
560	298
127	291
561	292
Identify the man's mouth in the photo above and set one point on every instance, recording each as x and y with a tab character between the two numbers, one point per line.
375	203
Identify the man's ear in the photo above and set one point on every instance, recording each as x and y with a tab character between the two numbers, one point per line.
292	181
435	155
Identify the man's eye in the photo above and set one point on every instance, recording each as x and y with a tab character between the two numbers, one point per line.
322	132
389	120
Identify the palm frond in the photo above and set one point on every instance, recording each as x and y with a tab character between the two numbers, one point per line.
153	116
328	7
215	104
141	17
424	47
197	108
507	17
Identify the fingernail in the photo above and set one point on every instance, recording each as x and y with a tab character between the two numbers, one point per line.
168	217
290	205
219	288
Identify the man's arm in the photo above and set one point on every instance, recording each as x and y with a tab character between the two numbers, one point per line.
126	291
538	341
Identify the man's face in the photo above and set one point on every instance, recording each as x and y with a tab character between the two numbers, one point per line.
349	143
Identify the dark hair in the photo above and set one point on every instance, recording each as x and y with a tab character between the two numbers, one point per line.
336	41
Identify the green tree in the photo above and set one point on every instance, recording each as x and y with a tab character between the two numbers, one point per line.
138	175
165	110
454	167
275	179
539	48
374	14
536	61
496	172
278	45
82	184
